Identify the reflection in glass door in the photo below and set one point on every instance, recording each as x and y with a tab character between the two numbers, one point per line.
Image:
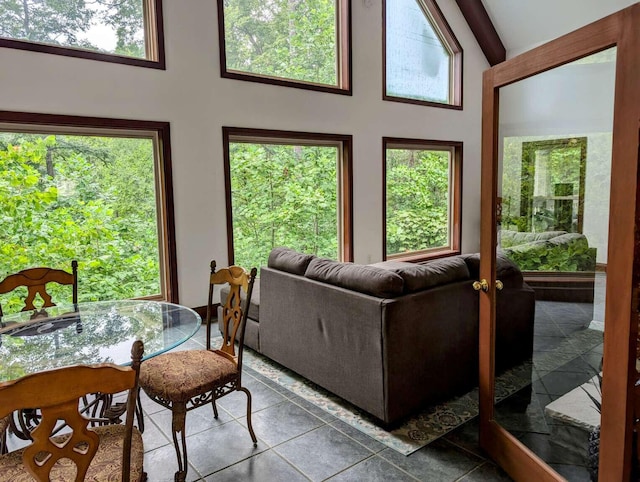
554	174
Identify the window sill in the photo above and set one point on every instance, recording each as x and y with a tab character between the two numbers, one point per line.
419	257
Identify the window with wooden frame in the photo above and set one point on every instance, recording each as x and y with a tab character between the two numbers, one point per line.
290	189
294	43
422	193
422	58
120	31
92	189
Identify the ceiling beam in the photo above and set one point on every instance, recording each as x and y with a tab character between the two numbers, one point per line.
484	31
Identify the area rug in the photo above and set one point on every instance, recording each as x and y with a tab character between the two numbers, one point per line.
435	421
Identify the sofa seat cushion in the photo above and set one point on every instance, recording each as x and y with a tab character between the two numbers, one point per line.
172	376
418	277
362	278
254	305
289	260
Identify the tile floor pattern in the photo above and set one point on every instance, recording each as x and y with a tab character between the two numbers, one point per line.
555	323
298	441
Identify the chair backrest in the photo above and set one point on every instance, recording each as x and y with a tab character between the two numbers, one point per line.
234	314
57	393
36	280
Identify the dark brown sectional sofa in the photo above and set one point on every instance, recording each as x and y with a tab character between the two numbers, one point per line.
391	337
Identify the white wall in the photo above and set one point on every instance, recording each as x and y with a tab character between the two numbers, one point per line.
523	25
197	102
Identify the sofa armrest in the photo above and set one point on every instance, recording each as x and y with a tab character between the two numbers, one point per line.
328	334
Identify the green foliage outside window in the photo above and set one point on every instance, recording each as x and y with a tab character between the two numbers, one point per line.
290	39
85	198
70	22
417	200
283	195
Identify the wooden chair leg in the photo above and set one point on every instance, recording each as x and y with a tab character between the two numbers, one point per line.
249	425
3	442
179	414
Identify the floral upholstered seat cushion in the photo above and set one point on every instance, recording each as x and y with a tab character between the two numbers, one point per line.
4	424
106	465
181	375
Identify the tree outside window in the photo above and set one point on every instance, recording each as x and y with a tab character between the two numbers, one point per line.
93	198
124	31
422	195
285	191
298	43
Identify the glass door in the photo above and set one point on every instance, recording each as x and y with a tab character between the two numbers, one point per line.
555	170
554	174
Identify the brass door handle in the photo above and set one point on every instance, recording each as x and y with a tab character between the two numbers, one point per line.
484	286
481	285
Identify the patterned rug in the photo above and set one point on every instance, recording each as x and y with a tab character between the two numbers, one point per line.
434	421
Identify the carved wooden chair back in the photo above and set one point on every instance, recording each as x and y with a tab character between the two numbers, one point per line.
187	379
57	393
235	310
36	280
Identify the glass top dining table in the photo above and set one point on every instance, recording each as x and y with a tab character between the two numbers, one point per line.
89	333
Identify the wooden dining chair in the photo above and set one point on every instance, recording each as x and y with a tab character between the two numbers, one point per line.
4	426
184	380
36	280
109	452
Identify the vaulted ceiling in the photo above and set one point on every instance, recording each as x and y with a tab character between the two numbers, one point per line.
522	25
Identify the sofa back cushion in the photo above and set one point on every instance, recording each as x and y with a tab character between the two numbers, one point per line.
510	238
506	270
576	239
289	260
418	277
362	278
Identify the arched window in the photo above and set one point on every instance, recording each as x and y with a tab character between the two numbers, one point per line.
423	59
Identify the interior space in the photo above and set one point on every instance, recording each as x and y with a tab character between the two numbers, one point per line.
402	228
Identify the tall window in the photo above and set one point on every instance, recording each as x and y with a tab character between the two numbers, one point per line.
296	43
423	185
94	190
423	59
287	189
121	31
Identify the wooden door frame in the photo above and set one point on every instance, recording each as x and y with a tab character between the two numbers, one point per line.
620	30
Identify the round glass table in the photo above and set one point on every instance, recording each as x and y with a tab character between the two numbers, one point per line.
88	333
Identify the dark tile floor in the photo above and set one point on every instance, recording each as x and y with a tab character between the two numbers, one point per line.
299	441
558	330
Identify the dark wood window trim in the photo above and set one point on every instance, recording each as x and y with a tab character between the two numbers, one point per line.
440	24
455	148
154	43
343	43
75	124
229	134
